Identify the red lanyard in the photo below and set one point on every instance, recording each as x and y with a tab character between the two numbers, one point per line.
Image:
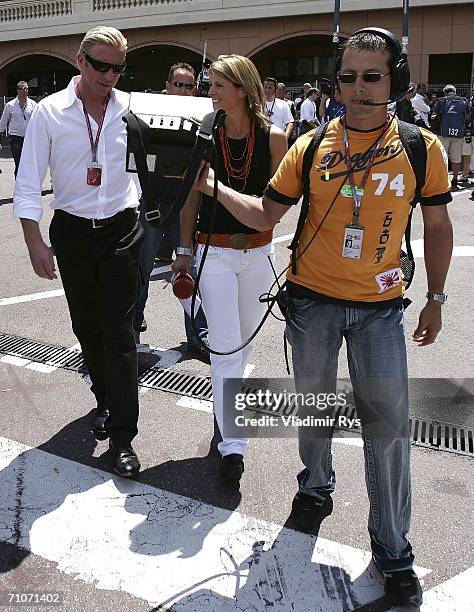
357	197
94	144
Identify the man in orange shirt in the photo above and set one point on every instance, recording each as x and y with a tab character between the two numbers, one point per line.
348	285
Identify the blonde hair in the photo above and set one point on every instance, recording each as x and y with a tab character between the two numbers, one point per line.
103	35
240	71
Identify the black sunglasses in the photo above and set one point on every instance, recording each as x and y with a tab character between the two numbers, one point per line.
367	77
180	84
105	66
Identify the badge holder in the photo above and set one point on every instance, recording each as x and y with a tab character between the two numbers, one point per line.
94	174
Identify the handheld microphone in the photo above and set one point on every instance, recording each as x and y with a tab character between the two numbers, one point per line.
183	285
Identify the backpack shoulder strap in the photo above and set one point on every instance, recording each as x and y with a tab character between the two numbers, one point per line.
415	146
307	163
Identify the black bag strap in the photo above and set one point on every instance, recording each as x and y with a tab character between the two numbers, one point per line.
415	146
307	163
137	131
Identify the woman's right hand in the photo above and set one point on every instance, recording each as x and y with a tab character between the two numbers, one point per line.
182	262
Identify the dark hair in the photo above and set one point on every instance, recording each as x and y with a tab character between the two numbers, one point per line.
180	66
271	80
368	41
311	91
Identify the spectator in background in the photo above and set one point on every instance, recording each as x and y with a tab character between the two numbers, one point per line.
433	99
468	144
278	111
338	108
451	113
308	117
302	95
283	94
420	106
15	118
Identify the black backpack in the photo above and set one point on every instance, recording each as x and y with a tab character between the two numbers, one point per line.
415	146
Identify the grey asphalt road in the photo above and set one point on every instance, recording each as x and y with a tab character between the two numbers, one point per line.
52	412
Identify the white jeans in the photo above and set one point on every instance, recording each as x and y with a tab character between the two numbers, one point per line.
231	283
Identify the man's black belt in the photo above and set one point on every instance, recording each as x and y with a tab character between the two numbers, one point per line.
97	223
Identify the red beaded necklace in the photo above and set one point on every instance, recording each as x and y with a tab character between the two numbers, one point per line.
235	172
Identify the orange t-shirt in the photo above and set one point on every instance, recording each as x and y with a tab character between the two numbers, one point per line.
390	188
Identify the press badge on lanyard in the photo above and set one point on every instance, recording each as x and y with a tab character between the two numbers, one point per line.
94	170
354	232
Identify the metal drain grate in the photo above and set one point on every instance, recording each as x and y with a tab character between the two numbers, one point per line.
56	356
442	436
179	382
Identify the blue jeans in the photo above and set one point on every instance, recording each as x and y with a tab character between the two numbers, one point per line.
148	250
377	361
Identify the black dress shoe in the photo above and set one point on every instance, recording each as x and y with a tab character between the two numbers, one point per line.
402	587
126	462
98	425
232	467
308	512
199	352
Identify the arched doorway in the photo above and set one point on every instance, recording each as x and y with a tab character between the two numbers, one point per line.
148	67
44	74
296	60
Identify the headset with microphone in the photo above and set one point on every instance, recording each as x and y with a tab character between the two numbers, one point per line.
400	71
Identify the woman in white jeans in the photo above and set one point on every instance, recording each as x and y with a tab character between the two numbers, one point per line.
237	269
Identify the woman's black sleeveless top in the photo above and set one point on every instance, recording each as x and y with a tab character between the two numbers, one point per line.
259	175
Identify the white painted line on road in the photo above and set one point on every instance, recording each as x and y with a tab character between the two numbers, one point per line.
249	368
455	595
168	549
157	270
41	367
417	247
195	404
31	297
283	238
13	360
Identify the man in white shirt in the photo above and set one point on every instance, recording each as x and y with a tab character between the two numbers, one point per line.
420	106
15	118
278	111
308	118
95	231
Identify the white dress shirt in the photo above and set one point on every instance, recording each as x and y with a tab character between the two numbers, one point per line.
421	109
280	113
57	136
15	118
308	110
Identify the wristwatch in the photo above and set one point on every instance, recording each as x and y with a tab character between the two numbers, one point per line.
437	297
184	251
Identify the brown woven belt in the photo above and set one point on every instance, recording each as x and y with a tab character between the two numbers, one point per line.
237	241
